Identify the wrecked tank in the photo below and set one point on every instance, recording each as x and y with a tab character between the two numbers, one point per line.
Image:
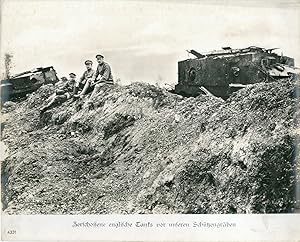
224	71
26	82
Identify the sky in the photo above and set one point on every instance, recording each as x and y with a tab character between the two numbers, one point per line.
141	40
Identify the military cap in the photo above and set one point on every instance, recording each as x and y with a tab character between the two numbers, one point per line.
72	74
88	61
99	55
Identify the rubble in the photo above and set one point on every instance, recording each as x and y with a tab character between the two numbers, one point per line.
145	150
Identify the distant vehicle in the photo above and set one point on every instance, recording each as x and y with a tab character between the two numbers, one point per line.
26	82
224	71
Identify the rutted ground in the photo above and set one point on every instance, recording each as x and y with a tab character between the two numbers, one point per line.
145	150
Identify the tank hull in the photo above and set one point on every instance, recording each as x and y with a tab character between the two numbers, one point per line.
22	84
217	72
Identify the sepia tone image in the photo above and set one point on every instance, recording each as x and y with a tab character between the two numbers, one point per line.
149	107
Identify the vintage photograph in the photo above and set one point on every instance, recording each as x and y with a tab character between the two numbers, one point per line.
149	107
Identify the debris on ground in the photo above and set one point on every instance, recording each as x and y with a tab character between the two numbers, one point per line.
142	149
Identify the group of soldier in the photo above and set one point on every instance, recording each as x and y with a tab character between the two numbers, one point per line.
90	81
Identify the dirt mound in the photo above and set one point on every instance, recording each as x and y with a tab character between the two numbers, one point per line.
145	150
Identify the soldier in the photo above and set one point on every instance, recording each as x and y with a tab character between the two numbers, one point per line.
62	82
85	80
72	77
102	76
62	94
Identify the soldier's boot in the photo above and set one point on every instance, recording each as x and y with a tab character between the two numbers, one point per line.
44	109
95	91
75	97
75	93
75	90
85	88
49	105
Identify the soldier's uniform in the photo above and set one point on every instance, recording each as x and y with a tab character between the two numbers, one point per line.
103	74
88	74
102	77
61	82
69	86
61	95
85	80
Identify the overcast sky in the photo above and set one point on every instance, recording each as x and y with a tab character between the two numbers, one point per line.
143	41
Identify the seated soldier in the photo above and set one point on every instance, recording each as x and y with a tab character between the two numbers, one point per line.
85	80
61	82
61	95
102	77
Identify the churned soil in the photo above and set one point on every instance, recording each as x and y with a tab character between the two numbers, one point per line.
145	150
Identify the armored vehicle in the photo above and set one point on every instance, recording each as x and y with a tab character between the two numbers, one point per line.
26	82
224	71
